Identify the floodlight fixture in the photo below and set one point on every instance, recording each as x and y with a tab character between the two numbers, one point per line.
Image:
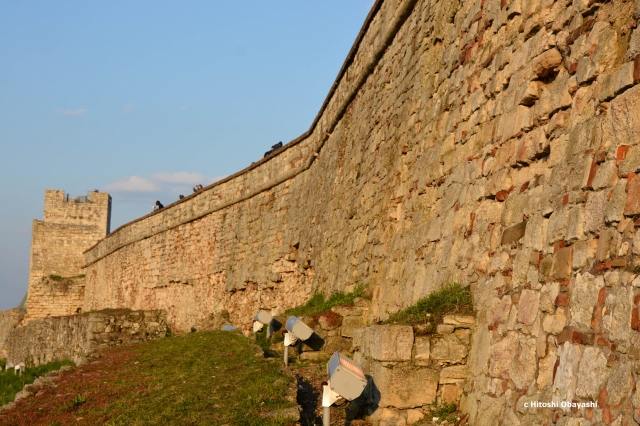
261	319
297	327
296	331
346	380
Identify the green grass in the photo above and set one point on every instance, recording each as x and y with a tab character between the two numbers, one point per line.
204	378
265	343
22	307
61	278
451	299
11	384
443	412
319	303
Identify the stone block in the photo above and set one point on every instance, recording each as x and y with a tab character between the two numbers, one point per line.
514	357
594	211
547	62
403	386
620	383
414	416
614	209
454	374
555	323
632	203
557	228
606	175
444	329
586	71
501	309
350	324
566	373
360	340
448	350
592	373
576	223
584	136
621	123
562	264
460	321
518	120
528	93
582	252
421	350
585	296
514	233
528	306
391	342
625	77
315	356
451	393
329	322
605	55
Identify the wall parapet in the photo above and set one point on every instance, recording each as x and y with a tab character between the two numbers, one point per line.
287	162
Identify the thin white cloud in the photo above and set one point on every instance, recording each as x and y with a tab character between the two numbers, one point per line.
183	107
169	183
178	177
128	109
70	112
134	183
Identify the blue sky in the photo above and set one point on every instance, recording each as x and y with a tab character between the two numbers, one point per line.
143	99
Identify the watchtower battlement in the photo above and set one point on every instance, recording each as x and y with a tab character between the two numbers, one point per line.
71	225
88	210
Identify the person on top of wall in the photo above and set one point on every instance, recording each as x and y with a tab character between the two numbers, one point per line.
158	206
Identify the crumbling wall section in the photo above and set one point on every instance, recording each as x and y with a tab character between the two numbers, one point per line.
8	320
77	337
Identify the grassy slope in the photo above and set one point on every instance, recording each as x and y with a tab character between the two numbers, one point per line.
207	378
11	384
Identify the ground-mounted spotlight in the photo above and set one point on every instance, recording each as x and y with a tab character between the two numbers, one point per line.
261	319
346	380
295	331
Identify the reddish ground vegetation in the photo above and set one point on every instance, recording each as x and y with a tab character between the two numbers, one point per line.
100	382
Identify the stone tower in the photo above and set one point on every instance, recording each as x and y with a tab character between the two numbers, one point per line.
71	225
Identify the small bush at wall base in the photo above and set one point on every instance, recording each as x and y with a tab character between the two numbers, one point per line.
319	303
78	400
452	299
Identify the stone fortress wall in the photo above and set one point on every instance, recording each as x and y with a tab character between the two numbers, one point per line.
70	226
9	319
490	142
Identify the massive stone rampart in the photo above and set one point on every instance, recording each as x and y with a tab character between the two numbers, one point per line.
491	142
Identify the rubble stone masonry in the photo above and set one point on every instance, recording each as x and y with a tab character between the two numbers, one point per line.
491	142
